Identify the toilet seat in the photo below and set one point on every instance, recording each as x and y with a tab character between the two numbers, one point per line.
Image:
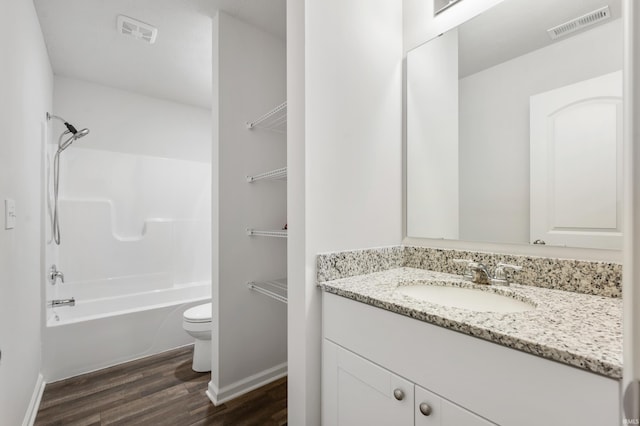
198	314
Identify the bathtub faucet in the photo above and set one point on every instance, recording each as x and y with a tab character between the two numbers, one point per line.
62	302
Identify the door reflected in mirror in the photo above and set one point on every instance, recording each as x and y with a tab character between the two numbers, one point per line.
514	135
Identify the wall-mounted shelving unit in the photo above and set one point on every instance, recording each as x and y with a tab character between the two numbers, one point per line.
278	233
276	289
278	174
275	120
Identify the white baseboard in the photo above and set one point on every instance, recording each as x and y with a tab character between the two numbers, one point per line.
34	404
234	390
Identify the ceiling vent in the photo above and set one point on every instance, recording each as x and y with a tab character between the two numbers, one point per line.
579	23
137	29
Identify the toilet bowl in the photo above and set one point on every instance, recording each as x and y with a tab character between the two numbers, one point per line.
197	322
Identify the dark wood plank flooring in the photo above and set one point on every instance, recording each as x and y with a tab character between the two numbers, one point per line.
158	390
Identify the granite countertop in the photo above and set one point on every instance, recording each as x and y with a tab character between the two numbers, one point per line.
581	330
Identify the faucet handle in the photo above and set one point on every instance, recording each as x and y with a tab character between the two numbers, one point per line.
468	273
54	274
500	275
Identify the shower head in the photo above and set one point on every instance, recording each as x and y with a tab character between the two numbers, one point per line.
81	133
77	135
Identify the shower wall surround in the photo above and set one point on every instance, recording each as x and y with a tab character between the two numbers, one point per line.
124	214
589	277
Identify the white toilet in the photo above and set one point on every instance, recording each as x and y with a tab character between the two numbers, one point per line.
197	322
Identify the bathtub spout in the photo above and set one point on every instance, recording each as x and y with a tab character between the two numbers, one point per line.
61	302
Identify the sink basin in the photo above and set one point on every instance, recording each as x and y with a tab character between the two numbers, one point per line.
465	298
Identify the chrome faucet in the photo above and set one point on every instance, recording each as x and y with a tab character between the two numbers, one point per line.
61	302
478	273
500	276
475	272
54	274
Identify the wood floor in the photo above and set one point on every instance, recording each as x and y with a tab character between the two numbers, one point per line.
158	390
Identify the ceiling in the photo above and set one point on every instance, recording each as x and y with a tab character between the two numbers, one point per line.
515	27
83	42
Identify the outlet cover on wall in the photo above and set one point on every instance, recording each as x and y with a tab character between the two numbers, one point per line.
9	214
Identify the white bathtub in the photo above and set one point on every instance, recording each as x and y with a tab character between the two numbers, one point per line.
103	331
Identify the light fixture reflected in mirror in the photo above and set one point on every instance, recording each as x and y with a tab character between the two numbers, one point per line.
442	5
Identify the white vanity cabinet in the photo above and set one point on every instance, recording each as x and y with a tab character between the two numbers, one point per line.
358	392
432	410
370	352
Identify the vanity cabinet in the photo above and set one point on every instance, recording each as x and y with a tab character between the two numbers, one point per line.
369	352
441	412
358	392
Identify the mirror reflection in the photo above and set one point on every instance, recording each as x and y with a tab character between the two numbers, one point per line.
514	127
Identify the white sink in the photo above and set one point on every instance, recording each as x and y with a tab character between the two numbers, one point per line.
465	298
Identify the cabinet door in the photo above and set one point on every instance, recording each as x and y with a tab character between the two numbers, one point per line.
358	392
440	412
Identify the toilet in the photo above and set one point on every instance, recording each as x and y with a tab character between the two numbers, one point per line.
197	322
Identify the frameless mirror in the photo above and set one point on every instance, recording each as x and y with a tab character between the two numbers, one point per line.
440	6
514	127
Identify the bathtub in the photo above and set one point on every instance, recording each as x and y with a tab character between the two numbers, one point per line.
118	326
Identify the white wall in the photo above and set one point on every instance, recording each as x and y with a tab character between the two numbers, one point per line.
26	87
128	122
303	348
250	329
419	24
345	158
432	138
494	193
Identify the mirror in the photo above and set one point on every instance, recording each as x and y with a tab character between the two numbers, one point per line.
440	6
514	127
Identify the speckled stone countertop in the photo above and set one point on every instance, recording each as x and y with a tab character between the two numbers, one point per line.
581	330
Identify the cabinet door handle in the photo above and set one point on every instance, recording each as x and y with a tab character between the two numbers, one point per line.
425	409
398	394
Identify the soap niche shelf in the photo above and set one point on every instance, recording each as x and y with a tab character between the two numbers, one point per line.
276	289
